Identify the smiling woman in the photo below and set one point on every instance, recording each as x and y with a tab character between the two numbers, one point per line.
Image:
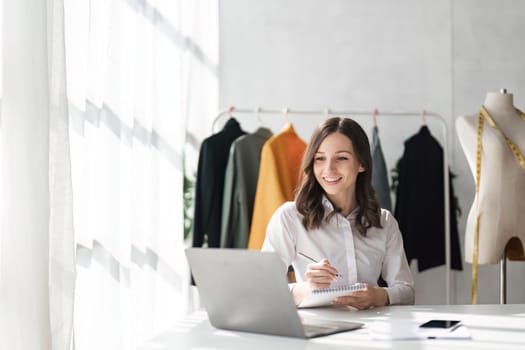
336	220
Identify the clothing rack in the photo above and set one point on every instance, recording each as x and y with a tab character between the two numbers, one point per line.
375	113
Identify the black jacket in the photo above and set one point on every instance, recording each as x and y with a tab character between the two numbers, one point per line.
420	203
213	158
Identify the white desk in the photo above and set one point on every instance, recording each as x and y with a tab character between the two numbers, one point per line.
490	327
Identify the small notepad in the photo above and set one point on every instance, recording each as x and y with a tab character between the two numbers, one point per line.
321	297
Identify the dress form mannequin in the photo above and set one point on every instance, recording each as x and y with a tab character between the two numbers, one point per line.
500	201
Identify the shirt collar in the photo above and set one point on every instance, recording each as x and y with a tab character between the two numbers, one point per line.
232	123
329	208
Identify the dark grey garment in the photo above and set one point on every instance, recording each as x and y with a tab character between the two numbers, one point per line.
380	172
240	184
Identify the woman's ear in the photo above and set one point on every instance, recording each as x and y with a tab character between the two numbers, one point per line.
361	168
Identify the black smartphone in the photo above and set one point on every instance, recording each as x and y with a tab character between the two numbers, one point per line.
443	324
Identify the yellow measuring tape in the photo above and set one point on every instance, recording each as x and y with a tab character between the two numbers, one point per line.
484	115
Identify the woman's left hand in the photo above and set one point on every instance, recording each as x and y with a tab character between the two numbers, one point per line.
364	299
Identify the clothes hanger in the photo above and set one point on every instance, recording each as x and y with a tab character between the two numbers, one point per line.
230	111
258	115
285	115
374	116
326	113
289	125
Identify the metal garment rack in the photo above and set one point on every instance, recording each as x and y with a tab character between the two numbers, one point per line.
375	113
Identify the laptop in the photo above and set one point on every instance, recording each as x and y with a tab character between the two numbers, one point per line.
246	290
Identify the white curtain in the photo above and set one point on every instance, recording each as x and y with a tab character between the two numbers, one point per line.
100	101
37	267
138	71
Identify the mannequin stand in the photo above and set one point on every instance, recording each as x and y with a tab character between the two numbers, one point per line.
503	278
513	251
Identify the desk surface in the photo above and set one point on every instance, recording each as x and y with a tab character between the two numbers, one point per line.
490	327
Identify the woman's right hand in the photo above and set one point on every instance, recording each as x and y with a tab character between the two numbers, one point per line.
320	274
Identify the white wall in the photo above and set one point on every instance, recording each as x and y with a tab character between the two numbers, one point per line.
403	55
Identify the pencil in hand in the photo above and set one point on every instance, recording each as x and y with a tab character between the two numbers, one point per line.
313	260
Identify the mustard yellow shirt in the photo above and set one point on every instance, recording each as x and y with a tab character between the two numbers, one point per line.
278	178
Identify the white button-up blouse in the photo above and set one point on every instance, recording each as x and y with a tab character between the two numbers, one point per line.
357	258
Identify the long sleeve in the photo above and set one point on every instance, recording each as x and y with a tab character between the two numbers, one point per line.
395	270
380	172
229	204
202	197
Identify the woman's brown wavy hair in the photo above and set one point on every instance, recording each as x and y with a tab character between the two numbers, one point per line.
308	200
